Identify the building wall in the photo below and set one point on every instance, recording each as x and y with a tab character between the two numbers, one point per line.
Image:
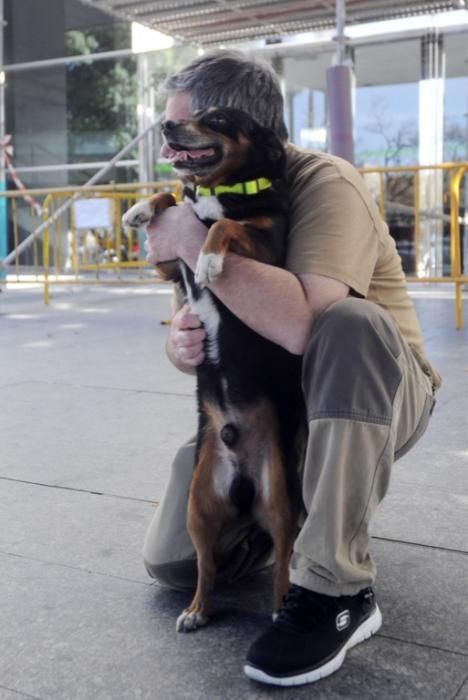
36	109
36	100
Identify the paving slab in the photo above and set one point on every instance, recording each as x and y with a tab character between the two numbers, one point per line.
425	514
428	495
89	532
422	592
428	464
463	692
105	337
6	694
449	431
90	406
81	636
106	440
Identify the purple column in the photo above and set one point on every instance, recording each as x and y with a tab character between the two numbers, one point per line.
340	111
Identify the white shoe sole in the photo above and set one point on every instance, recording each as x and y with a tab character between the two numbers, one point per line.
363	632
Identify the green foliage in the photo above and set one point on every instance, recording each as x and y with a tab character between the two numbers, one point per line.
80	42
101	96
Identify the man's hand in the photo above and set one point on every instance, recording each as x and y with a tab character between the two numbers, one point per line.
171	231
185	342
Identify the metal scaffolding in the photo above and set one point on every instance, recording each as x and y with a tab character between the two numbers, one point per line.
209	23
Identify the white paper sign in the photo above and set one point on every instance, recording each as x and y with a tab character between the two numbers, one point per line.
93	213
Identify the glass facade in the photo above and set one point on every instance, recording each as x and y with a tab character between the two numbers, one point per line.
456	98
399	120
66	120
86	112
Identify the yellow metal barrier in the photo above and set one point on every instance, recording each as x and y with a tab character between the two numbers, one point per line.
455	173
455	240
70	252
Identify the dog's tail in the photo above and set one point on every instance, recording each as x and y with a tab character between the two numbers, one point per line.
242	493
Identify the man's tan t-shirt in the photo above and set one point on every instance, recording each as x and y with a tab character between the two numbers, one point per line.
335	230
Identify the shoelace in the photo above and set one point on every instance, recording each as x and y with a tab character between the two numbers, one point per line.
301	608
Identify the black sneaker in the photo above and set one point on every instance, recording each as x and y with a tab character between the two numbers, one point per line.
310	636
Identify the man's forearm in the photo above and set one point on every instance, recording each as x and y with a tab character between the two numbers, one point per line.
268	299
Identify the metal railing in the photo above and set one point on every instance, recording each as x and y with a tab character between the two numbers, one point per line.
450	216
84	244
70	251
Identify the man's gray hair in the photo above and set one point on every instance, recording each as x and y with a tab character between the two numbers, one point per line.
228	78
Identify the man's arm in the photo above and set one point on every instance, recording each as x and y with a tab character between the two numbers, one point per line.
274	302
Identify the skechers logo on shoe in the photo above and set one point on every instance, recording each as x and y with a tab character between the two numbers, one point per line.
343	620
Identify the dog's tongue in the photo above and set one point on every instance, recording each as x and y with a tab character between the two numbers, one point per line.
173	156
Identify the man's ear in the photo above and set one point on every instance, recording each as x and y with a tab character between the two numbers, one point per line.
274	146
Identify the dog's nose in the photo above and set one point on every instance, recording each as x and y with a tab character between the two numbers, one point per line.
168	125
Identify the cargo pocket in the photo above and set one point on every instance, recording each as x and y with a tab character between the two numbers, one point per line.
420	428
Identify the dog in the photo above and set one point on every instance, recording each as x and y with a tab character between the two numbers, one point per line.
250	403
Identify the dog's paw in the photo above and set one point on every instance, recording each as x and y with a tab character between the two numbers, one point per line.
209	267
190	620
138	215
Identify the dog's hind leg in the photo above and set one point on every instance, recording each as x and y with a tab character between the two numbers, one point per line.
204	532
276	511
206	512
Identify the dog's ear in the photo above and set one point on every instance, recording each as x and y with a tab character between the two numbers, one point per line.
269	141
274	145
272	150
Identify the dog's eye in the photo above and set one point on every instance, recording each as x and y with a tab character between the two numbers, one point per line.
218	121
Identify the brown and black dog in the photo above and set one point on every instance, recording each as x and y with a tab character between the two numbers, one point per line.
249	395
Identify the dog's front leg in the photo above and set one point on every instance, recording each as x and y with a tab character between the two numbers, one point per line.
224	235
142	212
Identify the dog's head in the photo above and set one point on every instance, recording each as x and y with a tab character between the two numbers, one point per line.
222	145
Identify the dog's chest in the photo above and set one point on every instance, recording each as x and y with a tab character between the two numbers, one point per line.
200	300
208	208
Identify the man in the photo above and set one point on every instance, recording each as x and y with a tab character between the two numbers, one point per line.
342	303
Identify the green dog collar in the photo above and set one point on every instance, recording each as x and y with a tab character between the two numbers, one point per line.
249	187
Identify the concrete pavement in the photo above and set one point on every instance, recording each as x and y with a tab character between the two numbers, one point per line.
91	415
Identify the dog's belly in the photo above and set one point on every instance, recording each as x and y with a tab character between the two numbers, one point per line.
223	476
241	487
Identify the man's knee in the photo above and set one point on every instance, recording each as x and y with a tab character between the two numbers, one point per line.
350	366
167	546
176	575
344	324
